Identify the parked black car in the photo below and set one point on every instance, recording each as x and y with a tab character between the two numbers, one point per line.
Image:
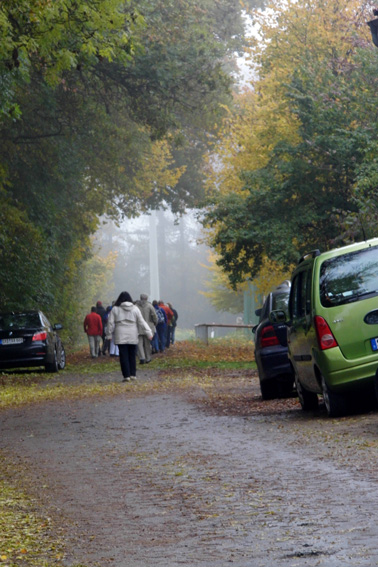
28	339
271	353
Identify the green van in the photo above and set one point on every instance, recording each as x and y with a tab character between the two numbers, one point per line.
333	327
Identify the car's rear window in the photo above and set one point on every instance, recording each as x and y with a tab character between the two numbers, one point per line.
19	320
281	301
350	277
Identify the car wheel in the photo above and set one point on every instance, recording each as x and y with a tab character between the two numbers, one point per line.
286	386
269	390
336	404
308	400
53	366
376	385
62	361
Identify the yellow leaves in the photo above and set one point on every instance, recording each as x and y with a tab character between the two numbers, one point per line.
270	275
289	31
219	290
297	44
260	121
157	172
230	350
262	116
24	537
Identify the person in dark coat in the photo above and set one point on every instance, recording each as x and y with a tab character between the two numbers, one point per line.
100	310
169	314
150	316
161	326
173	324
107	342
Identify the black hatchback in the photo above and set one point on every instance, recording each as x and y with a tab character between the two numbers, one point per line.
28	339
271	353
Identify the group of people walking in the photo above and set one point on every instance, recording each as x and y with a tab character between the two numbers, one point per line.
129	329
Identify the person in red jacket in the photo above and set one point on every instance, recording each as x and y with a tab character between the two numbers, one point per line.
93	328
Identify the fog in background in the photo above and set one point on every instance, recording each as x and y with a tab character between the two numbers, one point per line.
182	265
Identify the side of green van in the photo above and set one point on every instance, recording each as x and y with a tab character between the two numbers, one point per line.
333	327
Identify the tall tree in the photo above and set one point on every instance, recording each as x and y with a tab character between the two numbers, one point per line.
96	100
301	161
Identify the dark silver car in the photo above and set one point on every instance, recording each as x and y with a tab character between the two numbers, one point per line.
271	353
28	339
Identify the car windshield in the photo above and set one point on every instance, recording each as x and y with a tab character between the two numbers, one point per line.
281	301
350	277
19	321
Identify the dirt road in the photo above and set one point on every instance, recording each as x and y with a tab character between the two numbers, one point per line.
167	479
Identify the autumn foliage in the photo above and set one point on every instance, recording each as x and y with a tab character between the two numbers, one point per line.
295	166
218	350
231	350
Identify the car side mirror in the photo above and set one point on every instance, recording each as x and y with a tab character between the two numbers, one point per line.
258	312
57	327
277	316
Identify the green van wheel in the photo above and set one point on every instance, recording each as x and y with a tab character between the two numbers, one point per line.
308	400
336	404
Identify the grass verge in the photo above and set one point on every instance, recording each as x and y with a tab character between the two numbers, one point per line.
176	364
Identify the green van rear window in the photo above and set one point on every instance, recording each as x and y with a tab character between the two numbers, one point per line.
350	277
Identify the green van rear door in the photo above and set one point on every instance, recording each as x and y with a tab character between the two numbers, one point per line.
302	335
348	286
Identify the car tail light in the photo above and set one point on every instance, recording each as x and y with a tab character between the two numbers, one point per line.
40	336
325	337
268	337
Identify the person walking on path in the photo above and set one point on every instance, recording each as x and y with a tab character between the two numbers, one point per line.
149	315
173	325
169	313
93	328
160	327
127	323
107	342
113	348
100	310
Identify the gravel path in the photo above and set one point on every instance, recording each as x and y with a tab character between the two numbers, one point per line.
160	480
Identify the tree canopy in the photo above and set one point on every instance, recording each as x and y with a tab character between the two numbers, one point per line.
105	109
295	168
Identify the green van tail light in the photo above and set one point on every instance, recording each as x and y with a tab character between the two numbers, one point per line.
268	337
326	339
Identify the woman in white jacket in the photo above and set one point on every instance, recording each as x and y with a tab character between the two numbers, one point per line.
127	323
